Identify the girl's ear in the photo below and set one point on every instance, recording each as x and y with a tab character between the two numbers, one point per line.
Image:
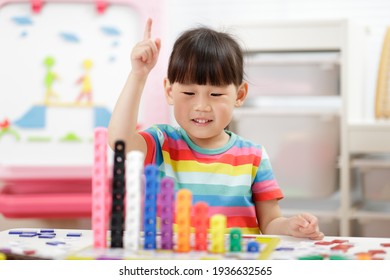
241	94
168	91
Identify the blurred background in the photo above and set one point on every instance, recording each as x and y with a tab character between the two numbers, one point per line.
318	100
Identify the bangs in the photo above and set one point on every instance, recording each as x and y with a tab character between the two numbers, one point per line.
203	56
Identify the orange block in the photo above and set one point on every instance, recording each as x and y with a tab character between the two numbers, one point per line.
183	219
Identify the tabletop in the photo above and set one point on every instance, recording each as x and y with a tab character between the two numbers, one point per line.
41	243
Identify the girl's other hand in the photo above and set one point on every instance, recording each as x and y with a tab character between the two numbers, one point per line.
304	225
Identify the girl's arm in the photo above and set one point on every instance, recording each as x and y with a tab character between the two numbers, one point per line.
124	119
272	222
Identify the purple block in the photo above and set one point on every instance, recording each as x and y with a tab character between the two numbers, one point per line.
284	249
48	236
5	250
28	234
15	232
55	243
167	245
108	258
167	212
73	234
47	230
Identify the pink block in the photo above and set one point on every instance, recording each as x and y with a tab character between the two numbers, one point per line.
100	189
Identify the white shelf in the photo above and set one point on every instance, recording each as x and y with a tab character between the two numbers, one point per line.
324	207
372	210
286	111
371	161
369	151
290	35
296	58
354	136
369	137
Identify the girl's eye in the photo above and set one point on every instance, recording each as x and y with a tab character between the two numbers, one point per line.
216	94
188	93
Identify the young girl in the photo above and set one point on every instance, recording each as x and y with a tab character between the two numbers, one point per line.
204	84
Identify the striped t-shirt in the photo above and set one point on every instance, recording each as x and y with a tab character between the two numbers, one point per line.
229	179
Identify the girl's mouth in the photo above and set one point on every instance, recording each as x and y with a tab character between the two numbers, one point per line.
201	121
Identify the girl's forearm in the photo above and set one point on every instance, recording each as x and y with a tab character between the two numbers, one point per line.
277	226
124	118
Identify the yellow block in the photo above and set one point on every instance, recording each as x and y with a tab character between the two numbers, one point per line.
271	243
79	258
217	228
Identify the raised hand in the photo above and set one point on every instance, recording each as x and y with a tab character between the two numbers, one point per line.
144	55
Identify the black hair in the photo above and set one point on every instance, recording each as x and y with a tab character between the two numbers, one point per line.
204	56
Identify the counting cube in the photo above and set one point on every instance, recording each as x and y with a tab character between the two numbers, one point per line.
218	227
183	216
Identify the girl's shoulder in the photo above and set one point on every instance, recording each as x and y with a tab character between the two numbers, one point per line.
242	142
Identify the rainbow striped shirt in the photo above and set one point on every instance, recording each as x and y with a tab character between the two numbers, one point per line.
229	179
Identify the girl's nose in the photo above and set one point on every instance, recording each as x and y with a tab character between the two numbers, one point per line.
202	104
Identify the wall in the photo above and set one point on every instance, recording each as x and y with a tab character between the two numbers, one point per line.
373	14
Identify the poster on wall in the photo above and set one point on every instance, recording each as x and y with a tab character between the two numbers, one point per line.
62	69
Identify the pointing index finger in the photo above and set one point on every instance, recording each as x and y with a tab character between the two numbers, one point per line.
148	29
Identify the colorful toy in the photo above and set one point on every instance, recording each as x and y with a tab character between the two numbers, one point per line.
183	214
150	221
271	243
235	240
100	209
167	195
27	243
118	194
134	168
208	238
218	227
253	247
201	224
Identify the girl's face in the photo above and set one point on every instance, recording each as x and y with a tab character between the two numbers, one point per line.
203	111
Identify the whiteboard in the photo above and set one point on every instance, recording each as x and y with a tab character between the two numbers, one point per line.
59	130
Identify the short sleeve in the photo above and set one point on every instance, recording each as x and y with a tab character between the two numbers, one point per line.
265	186
155	137
150	156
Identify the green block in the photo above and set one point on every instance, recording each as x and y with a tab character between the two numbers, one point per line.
338	257
311	257
235	240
